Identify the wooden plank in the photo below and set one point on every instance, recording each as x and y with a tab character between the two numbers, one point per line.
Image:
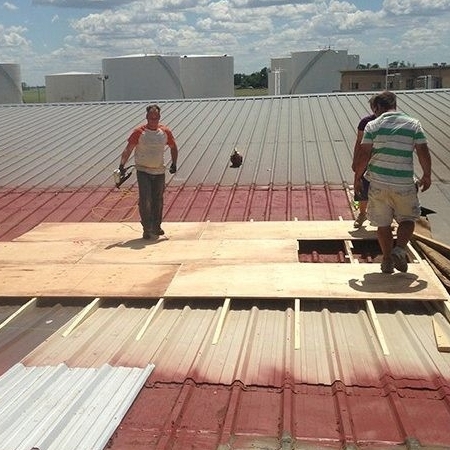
297	312
373	318
82	316
150	317
223	314
23	308
306	280
441	334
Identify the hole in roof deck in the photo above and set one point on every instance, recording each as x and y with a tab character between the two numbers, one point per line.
334	250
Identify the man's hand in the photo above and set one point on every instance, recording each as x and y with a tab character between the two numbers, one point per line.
425	182
173	168
357	184
122	170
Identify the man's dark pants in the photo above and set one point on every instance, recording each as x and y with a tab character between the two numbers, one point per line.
151	201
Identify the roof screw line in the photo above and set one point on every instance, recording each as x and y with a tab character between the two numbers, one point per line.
287	443
350	447
412	443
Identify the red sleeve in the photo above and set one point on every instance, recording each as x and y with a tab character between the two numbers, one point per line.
135	135
170	138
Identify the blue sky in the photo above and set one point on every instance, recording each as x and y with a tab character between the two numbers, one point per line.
56	36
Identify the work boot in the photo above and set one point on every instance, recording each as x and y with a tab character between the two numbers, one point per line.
362	217
399	259
157	231
387	266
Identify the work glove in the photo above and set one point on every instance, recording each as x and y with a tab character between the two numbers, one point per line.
122	170
173	168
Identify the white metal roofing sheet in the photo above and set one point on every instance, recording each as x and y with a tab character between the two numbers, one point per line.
56	407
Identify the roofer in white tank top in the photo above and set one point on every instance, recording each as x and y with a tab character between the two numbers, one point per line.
148	141
387	150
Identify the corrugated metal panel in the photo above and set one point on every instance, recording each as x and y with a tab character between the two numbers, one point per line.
256	345
285	140
60	408
297	418
26	331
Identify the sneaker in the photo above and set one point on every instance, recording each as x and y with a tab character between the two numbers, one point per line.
399	259
387	266
362	217
158	231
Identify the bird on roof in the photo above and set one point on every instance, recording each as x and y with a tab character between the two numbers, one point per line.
236	159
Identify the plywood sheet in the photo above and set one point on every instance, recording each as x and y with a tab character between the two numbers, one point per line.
48	252
125	231
164	251
238	259
106	231
309	280
337	229
86	280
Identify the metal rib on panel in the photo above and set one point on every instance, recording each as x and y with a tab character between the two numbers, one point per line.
54	408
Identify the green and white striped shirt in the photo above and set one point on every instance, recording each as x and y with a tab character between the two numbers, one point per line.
393	136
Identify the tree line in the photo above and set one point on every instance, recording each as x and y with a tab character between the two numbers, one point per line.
256	80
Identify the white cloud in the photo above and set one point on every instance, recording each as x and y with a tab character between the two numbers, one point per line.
416	7
10	6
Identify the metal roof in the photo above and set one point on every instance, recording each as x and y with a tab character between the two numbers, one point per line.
251	389
58	156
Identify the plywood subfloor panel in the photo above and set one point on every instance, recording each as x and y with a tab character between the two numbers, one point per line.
114	232
164	251
207	259
309	280
86	280
130	231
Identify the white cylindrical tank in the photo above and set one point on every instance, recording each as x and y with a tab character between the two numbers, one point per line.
205	76
10	83
73	87
318	71
143	77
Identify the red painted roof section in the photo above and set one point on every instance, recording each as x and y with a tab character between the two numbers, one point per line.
21	210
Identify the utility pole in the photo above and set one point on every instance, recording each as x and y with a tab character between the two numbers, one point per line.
387	74
103	78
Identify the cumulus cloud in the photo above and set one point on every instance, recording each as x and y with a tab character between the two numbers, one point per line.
416	7
10	6
13	37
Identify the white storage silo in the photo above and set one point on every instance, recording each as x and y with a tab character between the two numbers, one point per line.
143	77
73	87
10	83
319	71
205	76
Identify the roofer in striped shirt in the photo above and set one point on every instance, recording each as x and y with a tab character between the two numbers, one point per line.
387	150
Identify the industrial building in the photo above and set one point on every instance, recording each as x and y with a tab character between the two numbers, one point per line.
73	87
309	72
146	77
396	78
